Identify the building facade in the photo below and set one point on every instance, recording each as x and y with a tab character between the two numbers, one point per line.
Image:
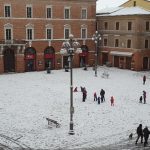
32	33
125	38
141	3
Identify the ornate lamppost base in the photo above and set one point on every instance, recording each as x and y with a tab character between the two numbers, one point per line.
71	131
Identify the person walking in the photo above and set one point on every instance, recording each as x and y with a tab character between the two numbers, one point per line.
112	101
144	79
84	92
95	96
102	94
146	133
144	96
139	132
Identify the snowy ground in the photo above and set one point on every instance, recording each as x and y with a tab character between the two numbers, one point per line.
26	99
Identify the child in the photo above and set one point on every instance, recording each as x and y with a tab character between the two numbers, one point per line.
140	100
98	100
112	101
95	96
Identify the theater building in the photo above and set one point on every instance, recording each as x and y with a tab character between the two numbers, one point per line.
125	33
32	33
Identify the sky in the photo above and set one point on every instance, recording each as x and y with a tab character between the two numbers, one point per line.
27	99
109	3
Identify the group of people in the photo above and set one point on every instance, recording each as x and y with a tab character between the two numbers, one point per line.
143	97
101	98
142	133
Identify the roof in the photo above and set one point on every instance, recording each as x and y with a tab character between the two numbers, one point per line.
125	11
108	10
118	53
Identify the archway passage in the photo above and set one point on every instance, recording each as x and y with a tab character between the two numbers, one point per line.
30	59
145	63
9	60
83	56
49	57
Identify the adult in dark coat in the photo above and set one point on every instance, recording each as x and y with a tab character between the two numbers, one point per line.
144	79
102	94
139	132
84	92
144	96
146	133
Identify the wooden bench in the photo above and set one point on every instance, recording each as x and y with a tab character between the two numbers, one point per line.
50	122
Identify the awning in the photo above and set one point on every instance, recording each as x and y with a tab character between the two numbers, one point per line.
118	53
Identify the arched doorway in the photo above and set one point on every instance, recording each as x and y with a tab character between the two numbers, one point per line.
30	59
145	63
83	56
49	57
9	60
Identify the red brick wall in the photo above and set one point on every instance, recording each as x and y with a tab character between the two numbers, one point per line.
39	22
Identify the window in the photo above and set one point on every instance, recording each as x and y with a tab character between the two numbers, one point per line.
7	11
106	25
49	33
8	35
29	34
67	13
146	43
129	44
84	13
67	32
134	3
105	42
49	12
129	25
117	25
29	11
83	33
147	26
116	42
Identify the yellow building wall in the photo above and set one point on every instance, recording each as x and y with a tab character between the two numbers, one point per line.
141	3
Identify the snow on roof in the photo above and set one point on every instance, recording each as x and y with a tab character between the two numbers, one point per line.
118	53
108	10
131	11
127	11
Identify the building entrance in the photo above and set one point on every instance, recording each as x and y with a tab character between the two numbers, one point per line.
9	60
30	59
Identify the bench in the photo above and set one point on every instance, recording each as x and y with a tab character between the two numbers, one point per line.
50	122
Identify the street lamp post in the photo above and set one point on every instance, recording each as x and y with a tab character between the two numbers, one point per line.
70	47
96	38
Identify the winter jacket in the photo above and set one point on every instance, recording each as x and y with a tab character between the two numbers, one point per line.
146	132
139	130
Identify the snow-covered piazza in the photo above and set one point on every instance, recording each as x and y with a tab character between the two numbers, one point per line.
27	99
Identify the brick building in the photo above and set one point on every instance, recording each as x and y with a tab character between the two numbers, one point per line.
125	35
32	33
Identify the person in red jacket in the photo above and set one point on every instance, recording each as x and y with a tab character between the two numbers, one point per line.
95	96
112	101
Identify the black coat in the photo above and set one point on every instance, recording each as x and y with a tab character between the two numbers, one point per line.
146	132
139	130
102	92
